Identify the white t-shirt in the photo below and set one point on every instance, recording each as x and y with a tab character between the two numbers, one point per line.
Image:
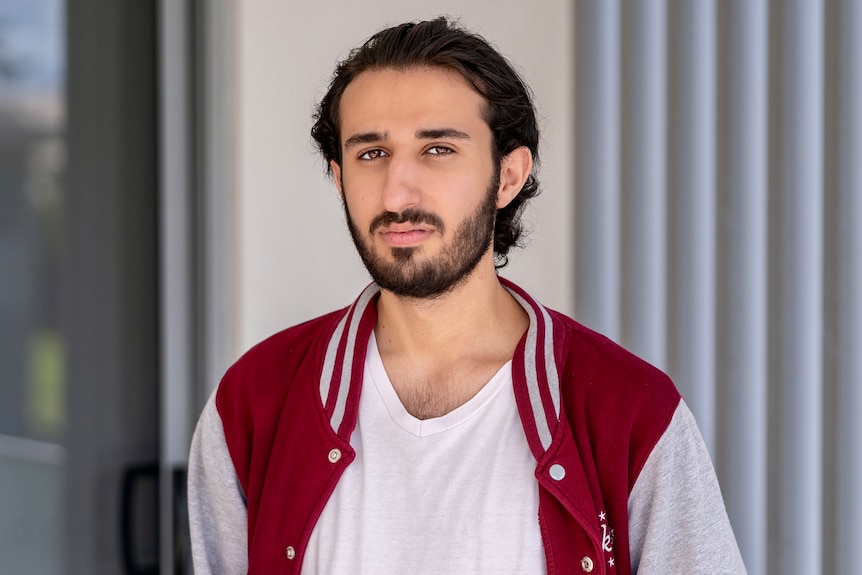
452	494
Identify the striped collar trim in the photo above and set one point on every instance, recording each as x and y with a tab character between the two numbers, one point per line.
534	368
343	362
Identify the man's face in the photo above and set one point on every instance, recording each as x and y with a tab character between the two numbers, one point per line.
417	178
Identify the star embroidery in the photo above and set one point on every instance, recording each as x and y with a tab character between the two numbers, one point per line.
611	561
602	516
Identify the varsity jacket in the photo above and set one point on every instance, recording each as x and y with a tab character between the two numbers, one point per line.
625	483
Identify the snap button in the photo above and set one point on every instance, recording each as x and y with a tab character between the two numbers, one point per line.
557	471
290	552
334	455
587	564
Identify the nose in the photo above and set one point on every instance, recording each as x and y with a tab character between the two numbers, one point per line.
401	184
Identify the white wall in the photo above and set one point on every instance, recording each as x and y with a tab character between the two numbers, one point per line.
295	257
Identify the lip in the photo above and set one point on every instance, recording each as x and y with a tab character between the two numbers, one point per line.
405	235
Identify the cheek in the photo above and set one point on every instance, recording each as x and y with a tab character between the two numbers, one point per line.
357	192
472	193
358	208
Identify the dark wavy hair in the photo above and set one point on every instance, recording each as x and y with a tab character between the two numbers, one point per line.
441	43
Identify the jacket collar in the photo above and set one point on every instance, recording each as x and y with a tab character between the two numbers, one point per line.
534	368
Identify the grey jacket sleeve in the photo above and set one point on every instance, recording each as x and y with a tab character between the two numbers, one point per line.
218	516
677	519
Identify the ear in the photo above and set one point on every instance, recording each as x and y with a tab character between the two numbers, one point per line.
514	171
336	175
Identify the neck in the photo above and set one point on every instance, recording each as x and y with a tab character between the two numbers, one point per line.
438	353
477	316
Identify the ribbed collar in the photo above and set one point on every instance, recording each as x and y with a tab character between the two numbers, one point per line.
534	368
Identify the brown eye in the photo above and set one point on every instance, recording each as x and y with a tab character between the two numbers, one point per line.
372	154
439	151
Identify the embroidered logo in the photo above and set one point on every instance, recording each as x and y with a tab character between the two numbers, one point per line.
607	538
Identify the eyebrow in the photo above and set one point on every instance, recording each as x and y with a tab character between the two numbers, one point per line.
429	134
442	133
365	138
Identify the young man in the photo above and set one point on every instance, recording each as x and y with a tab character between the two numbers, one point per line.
445	422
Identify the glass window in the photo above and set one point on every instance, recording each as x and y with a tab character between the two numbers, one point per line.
32	372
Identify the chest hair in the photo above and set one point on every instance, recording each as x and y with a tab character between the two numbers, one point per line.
436	395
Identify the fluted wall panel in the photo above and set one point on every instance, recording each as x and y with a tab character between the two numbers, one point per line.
718	209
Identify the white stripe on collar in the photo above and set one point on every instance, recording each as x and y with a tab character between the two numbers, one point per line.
340	383
531	366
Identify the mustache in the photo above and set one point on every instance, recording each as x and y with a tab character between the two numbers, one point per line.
410	215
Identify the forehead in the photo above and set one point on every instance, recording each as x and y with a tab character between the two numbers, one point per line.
383	100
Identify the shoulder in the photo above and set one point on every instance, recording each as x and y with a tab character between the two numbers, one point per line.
259	380
618	395
286	346
254	391
595	360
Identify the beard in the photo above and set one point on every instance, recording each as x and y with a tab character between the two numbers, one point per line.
408	275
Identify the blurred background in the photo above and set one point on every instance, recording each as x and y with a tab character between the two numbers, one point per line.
162	209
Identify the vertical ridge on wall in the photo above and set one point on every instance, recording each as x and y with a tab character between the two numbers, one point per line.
831	292
598	165
742	281
849	304
798	283
644	180
692	116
